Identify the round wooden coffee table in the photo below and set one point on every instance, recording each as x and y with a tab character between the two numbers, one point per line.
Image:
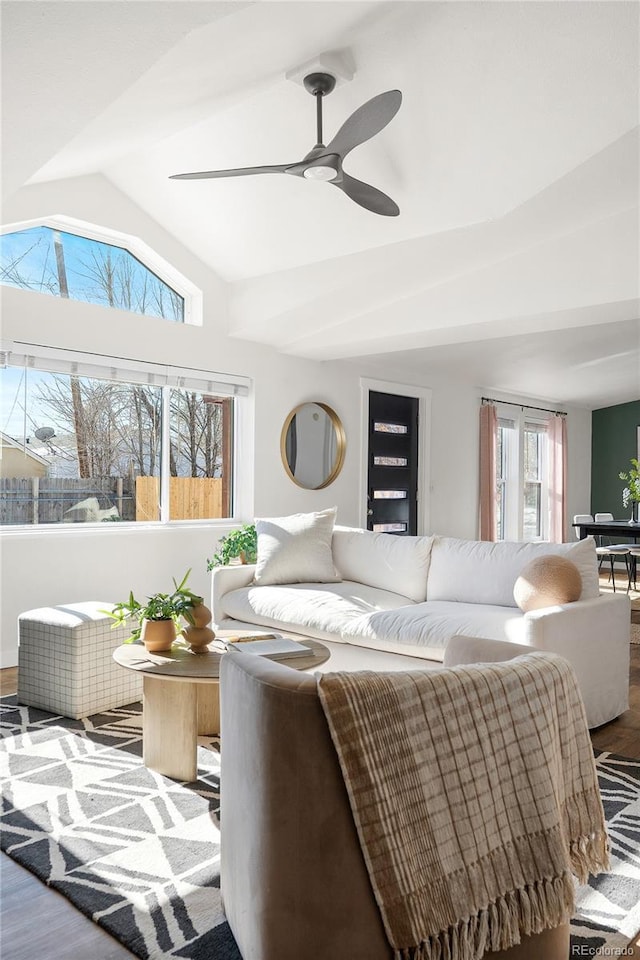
181	699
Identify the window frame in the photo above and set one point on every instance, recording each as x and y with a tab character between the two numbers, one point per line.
543	473
514	483
236	387
165	271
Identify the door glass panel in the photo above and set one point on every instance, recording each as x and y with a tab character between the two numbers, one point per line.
390	494
534	437
390	461
389	528
381	427
532	511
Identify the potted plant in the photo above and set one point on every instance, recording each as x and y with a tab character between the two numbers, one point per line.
631	493
160	616
241	543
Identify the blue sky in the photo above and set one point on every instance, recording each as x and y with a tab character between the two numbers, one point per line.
12	402
29	260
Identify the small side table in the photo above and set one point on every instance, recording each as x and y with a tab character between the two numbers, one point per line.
181	700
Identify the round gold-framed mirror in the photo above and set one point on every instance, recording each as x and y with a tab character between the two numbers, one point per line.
312	445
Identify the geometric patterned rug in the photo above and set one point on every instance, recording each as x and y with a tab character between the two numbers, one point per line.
608	907
135	851
139	853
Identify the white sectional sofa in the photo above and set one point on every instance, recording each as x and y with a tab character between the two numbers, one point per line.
408	596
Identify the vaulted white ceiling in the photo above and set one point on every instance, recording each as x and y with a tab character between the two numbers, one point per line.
514	160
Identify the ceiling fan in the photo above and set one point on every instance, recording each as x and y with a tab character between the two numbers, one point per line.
325	163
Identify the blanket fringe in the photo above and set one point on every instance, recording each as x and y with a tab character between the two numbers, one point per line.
534	908
589	855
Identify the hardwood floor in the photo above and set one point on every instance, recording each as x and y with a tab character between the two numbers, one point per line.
36	921
51	928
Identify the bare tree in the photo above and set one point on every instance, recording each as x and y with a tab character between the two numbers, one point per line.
86	408
196	435
117	427
121	427
117	278
14	272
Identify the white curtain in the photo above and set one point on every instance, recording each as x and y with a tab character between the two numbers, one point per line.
557	434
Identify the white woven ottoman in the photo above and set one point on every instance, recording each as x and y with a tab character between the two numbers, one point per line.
65	661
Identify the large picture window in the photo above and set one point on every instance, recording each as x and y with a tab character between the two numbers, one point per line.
104	449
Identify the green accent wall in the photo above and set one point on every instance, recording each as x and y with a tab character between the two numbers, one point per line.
614	432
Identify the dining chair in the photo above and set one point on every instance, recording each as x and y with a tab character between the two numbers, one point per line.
634	556
613	552
581	518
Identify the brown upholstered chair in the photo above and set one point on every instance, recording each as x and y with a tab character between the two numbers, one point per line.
294	881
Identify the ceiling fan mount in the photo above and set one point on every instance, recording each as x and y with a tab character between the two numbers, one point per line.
324	163
319	83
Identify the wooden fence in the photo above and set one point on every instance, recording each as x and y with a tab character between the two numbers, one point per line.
190	498
61	500
32	500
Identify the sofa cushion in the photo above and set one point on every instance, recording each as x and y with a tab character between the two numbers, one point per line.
398	564
547	582
423	629
296	549
318	609
478	571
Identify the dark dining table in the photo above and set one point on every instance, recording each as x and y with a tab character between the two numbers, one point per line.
609	528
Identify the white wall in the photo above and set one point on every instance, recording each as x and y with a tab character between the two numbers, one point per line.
47	567
452	474
40	568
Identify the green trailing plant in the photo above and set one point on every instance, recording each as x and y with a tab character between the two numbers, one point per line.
175	606
631	493
238	543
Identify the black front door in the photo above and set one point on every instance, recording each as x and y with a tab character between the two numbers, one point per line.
393	464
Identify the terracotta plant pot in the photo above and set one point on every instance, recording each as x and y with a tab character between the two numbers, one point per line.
158	635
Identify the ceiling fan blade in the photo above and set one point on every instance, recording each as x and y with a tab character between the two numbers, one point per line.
367	196
238	172
369	119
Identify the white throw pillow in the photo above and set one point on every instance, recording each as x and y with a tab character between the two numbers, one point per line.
398	564
480	571
296	549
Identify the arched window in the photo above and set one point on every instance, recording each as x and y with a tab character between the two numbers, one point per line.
79	261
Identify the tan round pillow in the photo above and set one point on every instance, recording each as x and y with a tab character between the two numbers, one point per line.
546	582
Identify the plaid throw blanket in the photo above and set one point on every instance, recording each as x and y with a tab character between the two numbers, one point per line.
475	797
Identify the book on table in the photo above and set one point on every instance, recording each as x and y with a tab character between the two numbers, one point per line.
271	645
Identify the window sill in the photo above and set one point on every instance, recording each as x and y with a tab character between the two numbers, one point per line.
112	529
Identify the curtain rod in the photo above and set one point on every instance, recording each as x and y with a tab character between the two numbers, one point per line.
524	406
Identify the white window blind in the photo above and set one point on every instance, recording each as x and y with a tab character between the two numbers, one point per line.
60	360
